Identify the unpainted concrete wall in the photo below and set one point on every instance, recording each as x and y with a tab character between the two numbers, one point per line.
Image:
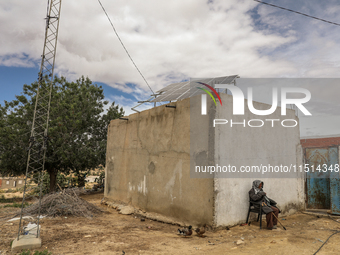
248	146
148	164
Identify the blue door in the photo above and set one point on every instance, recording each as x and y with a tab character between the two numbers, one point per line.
323	184
334	180
318	185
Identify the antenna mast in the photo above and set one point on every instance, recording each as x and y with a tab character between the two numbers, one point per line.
39	140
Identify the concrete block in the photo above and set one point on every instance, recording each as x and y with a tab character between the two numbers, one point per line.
26	242
127	210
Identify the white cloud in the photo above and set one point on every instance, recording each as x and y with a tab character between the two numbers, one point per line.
174	40
184	39
127	104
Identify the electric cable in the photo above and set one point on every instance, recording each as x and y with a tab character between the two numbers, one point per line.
309	16
125	47
326	241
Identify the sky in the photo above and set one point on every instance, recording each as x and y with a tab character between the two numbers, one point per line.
172	41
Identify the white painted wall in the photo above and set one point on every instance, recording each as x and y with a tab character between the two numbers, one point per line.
240	146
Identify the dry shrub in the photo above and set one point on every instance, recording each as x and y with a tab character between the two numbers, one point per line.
64	203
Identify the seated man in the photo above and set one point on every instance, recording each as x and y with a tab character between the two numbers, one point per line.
256	194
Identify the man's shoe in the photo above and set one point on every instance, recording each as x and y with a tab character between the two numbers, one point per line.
275	227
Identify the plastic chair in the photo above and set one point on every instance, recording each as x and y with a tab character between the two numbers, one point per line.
254	209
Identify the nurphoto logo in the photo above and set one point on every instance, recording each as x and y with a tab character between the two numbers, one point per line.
238	104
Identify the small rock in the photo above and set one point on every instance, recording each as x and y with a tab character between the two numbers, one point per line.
126	210
234	248
242	238
239	242
142	219
273	241
88	236
319	240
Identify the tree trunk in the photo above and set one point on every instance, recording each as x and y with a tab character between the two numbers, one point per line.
81	180
53	179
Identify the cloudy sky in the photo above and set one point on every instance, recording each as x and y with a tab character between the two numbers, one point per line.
171	41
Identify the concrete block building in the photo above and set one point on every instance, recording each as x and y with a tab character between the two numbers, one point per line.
11	182
151	159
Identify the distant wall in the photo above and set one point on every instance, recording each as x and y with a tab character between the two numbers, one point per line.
11	183
148	164
322	142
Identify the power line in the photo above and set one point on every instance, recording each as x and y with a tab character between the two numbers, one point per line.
124	47
309	16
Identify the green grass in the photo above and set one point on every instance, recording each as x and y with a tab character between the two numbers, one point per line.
25	252
16	205
28	252
3	199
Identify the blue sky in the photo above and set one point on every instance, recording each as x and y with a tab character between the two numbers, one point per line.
171	41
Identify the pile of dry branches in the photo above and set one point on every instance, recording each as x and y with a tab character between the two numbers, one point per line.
66	202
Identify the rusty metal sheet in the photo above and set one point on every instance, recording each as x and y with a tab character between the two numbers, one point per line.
318	182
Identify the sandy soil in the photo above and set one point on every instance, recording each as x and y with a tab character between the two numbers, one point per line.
113	233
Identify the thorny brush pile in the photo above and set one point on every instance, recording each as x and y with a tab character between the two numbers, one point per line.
64	203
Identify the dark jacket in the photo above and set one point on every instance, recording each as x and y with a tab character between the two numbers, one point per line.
260	197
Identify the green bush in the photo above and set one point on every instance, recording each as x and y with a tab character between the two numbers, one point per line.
62	180
3	199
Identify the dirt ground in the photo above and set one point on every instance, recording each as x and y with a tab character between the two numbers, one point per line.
113	233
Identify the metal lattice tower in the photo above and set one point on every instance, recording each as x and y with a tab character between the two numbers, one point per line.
39	139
